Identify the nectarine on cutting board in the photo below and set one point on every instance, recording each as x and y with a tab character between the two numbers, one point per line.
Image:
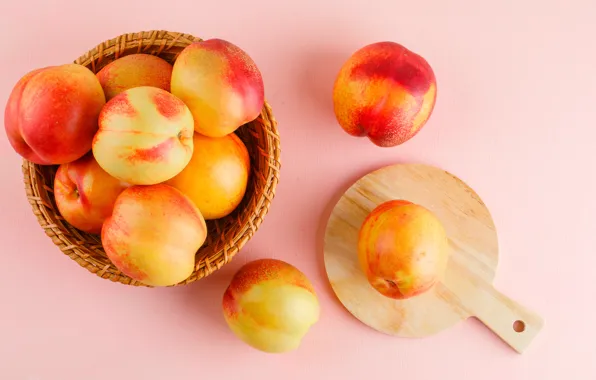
465	287
403	249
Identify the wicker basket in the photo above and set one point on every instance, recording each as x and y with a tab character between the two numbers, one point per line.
226	236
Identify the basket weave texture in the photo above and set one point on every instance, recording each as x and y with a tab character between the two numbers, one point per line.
226	236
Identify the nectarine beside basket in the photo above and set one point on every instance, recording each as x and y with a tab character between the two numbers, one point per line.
226	235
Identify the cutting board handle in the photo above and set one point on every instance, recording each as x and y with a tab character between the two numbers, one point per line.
514	323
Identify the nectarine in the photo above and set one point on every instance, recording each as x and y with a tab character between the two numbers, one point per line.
216	176
221	85
386	92
85	194
402	249
270	305
134	70
144	137
154	234
51	114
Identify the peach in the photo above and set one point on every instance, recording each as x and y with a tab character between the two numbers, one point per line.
51	114
134	70
144	137
386	92
85	194
221	85
402	249
270	305
216	176
154	234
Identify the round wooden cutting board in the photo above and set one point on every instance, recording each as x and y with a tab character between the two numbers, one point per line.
466	289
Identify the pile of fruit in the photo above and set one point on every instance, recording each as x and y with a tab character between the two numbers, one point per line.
146	150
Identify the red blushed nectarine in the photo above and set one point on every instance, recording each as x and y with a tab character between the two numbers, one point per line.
221	85
386	92
51	114
402	249
144	137
85	194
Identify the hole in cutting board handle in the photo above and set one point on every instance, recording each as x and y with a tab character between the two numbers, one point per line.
519	326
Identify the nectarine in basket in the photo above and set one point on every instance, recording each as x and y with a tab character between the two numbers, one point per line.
225	235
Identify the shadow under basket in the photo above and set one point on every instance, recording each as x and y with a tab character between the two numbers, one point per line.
226	236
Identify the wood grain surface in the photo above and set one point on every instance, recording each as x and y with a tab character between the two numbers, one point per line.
466	290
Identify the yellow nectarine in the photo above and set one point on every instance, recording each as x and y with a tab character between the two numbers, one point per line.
154	234
216	176
134	70
270	305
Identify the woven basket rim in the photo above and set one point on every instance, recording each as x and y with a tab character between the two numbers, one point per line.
43	209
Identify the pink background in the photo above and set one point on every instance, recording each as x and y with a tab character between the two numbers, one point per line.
514	118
